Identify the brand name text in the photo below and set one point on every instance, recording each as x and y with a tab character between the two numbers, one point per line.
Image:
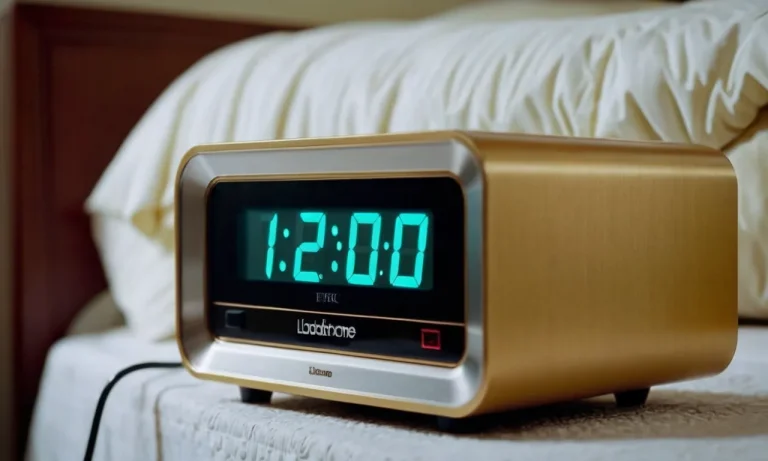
324	329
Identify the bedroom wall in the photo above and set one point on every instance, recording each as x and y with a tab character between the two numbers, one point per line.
305	12
6	378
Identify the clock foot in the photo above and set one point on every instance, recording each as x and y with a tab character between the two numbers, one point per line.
248	395
633	398
459	425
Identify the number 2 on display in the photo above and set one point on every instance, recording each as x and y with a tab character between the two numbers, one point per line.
367	277
309	247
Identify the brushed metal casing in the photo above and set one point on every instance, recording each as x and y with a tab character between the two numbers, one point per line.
592	266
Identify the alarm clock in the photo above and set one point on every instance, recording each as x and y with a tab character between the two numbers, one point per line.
455	273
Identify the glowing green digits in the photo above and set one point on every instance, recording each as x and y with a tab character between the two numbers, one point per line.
309	247
271	237
408	281
288	245
373	219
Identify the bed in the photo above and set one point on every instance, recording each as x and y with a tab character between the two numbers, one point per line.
170	415
101	220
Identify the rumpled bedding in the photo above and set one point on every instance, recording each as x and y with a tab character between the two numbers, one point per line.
696	72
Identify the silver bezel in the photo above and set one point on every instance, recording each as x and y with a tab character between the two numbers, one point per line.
377	378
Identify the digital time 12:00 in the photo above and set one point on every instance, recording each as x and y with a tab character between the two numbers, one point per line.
373	248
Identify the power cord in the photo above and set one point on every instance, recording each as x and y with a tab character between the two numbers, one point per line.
105	393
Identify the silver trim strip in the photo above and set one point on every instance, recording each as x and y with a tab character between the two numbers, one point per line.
439	386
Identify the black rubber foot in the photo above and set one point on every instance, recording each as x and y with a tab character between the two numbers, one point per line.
459	425
634	398
248	395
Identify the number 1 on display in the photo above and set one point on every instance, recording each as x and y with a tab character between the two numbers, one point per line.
271	245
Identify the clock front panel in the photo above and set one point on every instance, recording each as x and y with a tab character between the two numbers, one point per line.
371	267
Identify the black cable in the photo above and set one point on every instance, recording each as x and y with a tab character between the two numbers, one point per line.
105	393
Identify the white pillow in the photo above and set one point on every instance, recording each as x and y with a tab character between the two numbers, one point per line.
694	73
141	276
750	160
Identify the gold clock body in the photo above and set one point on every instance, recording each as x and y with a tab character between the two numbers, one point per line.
605	266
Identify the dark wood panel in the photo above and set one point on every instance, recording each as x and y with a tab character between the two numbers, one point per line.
7	439
83	78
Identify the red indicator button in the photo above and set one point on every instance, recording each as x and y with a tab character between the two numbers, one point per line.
430	339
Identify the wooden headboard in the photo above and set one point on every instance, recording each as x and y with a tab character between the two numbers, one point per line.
83	78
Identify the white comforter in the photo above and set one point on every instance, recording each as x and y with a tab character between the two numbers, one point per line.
169	415
697	73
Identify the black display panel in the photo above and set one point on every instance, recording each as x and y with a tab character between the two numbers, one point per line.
386	254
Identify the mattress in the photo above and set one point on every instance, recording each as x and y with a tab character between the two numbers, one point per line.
169	415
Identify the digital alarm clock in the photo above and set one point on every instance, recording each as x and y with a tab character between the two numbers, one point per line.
455	273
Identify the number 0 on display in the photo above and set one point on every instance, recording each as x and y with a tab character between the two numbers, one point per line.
406	281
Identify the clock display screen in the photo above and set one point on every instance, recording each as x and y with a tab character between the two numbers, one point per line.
359	247
360	266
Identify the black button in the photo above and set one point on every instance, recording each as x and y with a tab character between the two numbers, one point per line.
234	318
